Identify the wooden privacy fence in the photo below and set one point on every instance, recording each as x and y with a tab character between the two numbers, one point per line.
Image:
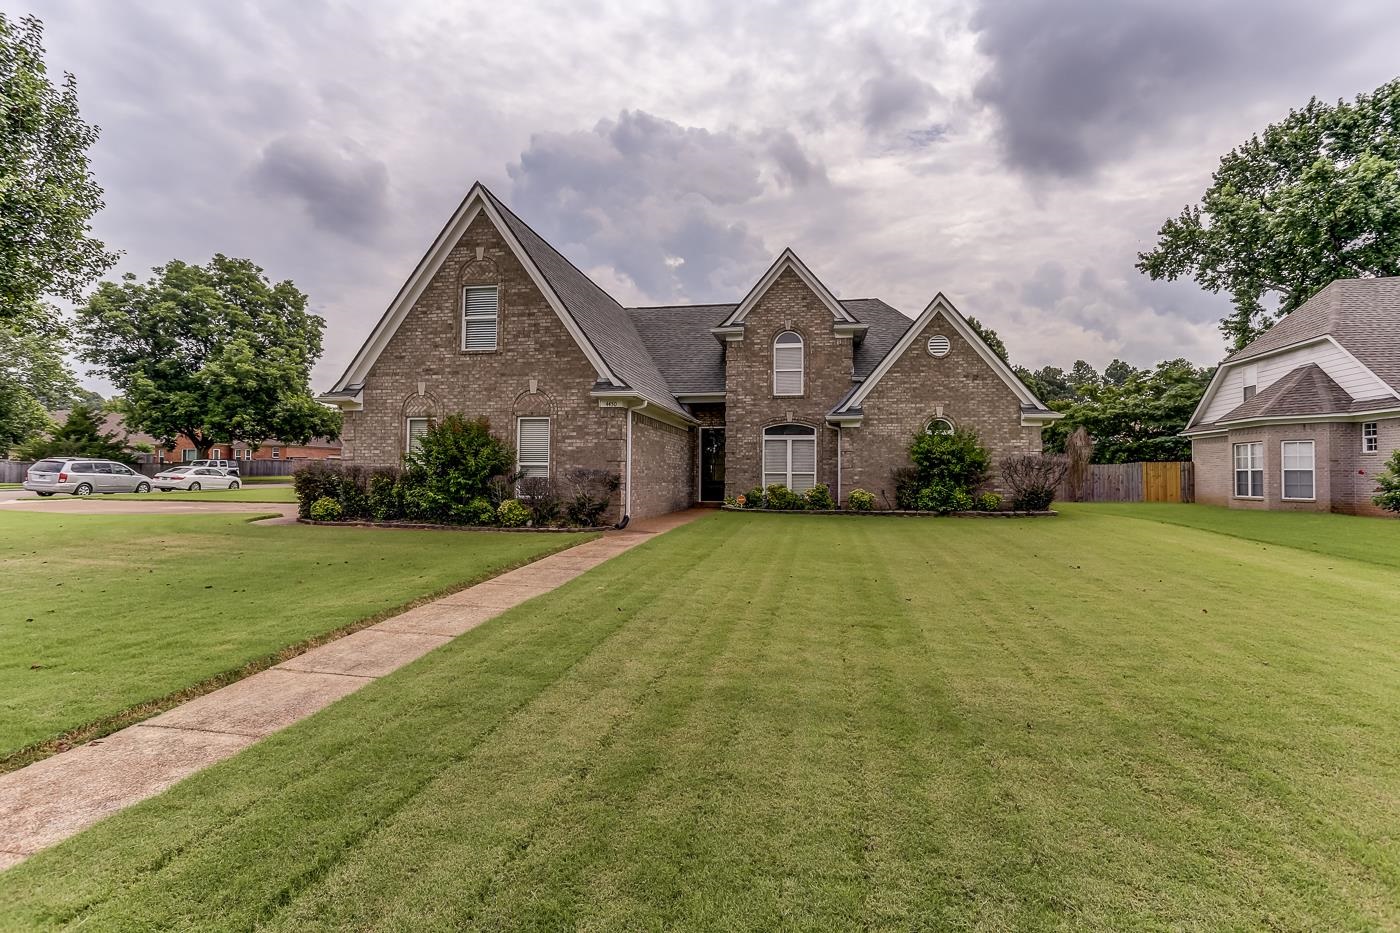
1134	482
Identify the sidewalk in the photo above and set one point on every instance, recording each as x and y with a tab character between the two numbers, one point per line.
50	800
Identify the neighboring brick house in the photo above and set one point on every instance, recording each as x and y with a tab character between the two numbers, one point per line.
318	448
688	403
1306	415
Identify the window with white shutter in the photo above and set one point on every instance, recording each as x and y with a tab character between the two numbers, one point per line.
417	427
790	456
532	447
480	317
787	364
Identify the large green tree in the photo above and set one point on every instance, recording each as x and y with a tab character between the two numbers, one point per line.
34	379
1140	418
1315	197
213	353
47	194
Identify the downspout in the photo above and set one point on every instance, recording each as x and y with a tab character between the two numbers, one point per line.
627	470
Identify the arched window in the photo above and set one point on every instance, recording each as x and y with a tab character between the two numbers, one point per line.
939	426
787	363
790	456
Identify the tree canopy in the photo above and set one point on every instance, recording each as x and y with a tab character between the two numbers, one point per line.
47	195
213	353
1315	197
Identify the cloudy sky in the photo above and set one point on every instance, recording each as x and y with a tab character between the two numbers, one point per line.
1015	156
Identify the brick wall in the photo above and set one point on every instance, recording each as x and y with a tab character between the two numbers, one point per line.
662	474
961	387
750	404
1214	469
537	369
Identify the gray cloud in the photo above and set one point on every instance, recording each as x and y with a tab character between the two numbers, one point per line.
653	200
1075	84
345	192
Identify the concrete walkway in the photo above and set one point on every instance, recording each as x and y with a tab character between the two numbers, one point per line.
50	800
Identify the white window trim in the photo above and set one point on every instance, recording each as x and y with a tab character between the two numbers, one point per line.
764	437
408	433
1371	443
801	369
1235	470
494	316
520	464
1283	470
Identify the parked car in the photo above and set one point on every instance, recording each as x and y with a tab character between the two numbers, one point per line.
193	479
83	476
228	466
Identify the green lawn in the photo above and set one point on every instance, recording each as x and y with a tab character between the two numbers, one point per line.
784	722
99	614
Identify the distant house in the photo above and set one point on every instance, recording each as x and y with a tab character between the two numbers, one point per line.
788	384
1306	415
318	448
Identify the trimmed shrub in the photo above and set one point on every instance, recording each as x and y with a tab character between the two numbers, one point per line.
325	509
860	500
988	502
1388	485
591	493
453	464
819	497
1033	479
512	513
779	496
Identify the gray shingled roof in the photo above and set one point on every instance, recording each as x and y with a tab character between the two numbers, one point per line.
604	322
679	339
1363	315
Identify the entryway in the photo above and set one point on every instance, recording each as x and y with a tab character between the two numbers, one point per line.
712	464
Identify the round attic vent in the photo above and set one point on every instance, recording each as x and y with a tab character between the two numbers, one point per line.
938	345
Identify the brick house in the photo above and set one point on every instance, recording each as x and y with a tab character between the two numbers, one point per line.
1306	415
686	404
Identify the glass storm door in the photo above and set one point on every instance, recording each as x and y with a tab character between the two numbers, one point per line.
711	464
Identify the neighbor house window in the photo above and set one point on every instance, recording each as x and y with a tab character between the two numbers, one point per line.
532	447
1298	470
417	427
790	456
1249	471
787	364
939	426
480	317
1251	381
1370	437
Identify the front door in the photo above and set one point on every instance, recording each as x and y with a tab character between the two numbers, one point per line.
711	464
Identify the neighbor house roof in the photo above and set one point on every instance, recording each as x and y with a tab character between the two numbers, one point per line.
1362	315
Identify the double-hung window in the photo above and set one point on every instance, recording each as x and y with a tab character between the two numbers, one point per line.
532	447
790	456
1298	477
1370	437
480	317
417	427
1249	471
787	364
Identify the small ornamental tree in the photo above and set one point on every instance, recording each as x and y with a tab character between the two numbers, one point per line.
1033	479
1388	485
81	435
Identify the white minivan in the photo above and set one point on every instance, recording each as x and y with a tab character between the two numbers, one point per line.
83	476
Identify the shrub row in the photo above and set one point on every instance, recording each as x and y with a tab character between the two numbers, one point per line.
460	474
